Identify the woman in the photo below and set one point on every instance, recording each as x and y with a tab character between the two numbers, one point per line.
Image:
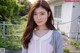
40	35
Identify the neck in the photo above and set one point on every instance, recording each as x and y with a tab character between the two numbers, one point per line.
42	27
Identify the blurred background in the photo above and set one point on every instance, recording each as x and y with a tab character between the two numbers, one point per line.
13	19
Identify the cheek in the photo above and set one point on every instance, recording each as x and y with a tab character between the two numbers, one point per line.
35	19
45	18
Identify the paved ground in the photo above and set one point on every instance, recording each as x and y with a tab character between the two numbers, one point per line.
70	47
65	44
11	51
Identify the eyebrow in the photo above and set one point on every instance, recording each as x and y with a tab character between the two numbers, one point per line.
39	12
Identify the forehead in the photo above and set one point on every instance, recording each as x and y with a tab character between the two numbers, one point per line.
40	9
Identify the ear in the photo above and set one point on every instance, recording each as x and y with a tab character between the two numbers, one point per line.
49	14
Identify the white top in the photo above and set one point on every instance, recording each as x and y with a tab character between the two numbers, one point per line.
41	44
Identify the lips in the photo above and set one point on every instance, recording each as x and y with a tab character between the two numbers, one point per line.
39	21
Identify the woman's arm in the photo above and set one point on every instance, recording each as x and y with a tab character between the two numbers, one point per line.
59	43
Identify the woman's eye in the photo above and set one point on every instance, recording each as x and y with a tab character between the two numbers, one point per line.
35	14
42	13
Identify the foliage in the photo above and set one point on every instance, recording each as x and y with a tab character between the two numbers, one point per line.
10	42
10	13
66	50
75	44
10	10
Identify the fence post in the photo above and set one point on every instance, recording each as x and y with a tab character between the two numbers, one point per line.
2	50
57	25
78	35
3	24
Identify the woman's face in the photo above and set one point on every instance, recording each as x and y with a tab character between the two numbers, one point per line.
40	16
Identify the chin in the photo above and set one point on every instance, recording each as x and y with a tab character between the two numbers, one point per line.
40	24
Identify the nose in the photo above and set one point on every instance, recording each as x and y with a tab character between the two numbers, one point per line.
38	16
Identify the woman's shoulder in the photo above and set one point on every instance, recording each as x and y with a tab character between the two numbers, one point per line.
57	33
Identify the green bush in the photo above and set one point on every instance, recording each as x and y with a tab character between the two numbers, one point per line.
9	30
10	42
75	44
0	29
66	50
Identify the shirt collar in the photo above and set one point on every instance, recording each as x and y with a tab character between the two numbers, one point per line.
46	36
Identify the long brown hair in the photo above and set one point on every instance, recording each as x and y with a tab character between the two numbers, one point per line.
31	25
